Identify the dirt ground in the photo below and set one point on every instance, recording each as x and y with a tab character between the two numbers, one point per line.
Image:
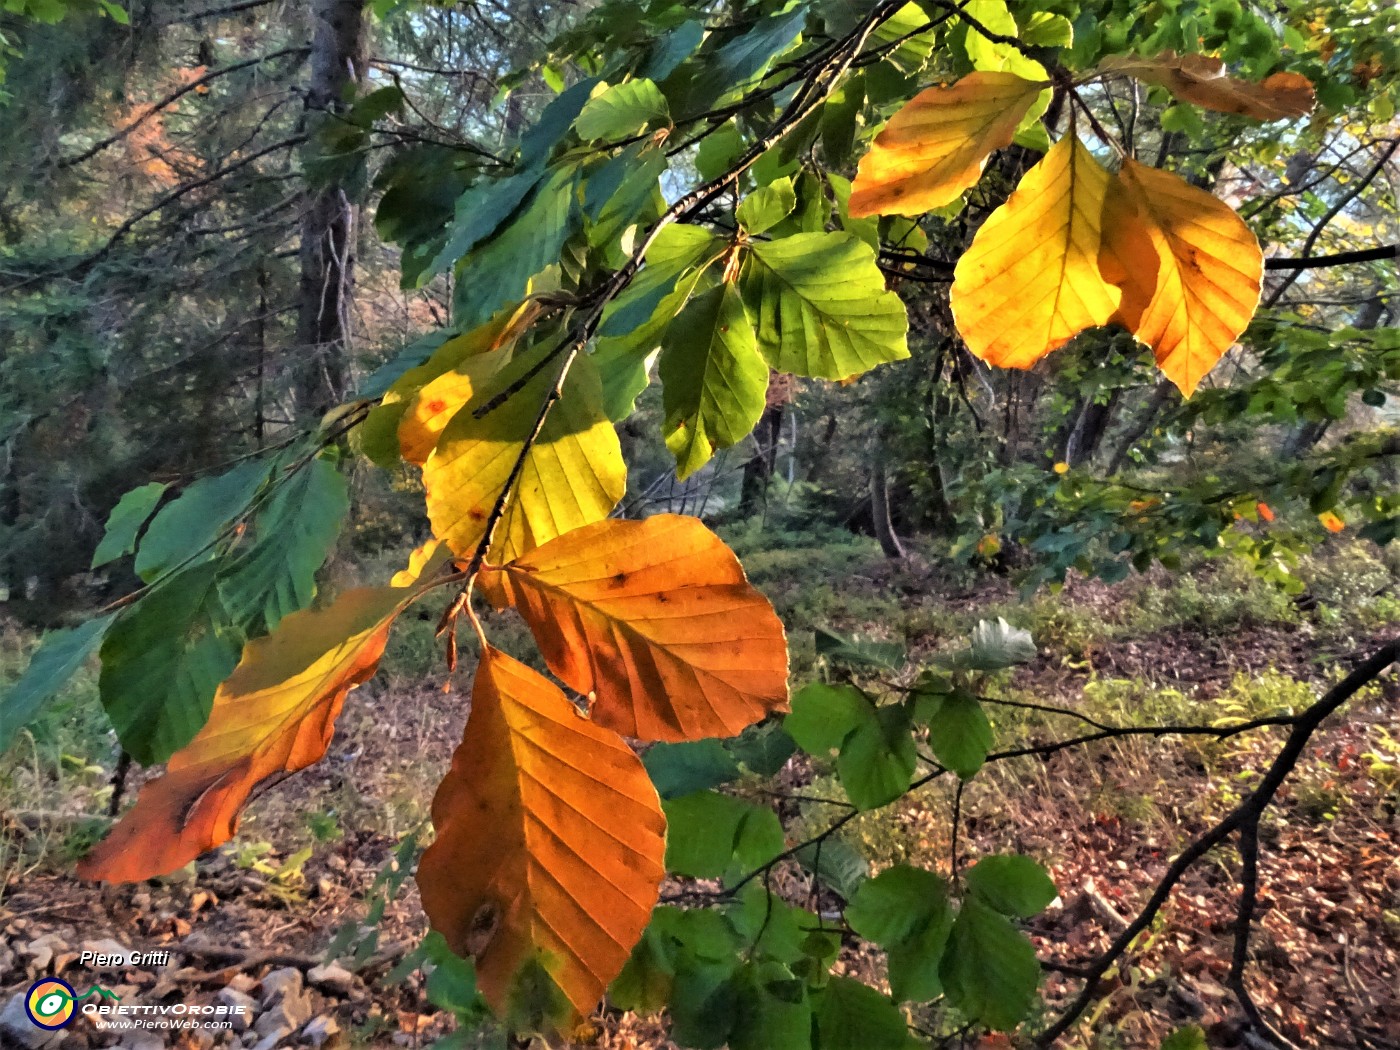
254	919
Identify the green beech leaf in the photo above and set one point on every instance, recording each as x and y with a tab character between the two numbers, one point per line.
769	925
163	660
850	1015
622	110
837	863
131	512
989	970
821	306
714	381
501	269
554	123
857	651
823	716
839	118
906	911
995	645
713	834
480	212
59	657
618	192
767	206
191	523
683	769
735	66
1045	29
773	1011
294	533
958	732
1012	884
763	749
637	319
644	985
877	761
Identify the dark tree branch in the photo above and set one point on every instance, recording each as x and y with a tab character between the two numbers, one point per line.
156	107
1385	251
1304	726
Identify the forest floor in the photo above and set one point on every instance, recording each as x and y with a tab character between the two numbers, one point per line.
255	918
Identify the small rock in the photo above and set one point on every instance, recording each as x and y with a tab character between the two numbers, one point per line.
289	1013
232	997
319	1029
332	978
200	1038
16	1029
243	982
142	1041
286	981
141	901
273	1038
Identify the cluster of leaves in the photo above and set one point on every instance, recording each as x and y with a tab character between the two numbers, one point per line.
754	970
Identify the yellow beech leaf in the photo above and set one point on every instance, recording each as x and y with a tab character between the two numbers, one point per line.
573	474
550	842
656	622
1032	279
427	414
378	436
1203	81
1331	521
1209	268
273	716
937	145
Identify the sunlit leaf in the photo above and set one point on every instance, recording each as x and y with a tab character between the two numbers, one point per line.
656	623
622	110
714	379
1031	279
573	473
550	842
1209	268
273	716
1203	81
132	511
936	146
820	305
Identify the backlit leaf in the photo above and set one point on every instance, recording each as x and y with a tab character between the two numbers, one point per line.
573	474
959	733
936	146
655	621
1031	280
820	305
1209	269
712	835
550	842
850	1015
273	716
906	911
714	379
1203	81
622	110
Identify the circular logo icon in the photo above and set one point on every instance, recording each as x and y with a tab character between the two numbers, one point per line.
50	1003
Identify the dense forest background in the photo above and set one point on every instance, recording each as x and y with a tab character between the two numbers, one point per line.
224	227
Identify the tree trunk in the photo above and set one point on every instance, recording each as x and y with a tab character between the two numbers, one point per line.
321	373
880	504
758	471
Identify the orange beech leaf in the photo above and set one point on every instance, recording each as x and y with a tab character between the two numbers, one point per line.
1208	272
1331	521
1265	511
550	842
273	716
1203	81
1032	278
656	621
937	145
429	412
